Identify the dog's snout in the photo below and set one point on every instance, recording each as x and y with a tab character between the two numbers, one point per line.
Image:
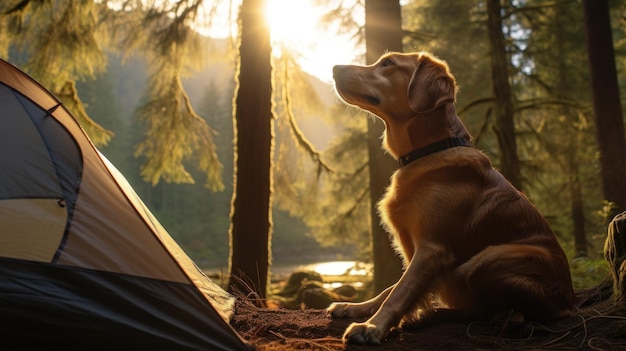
337	70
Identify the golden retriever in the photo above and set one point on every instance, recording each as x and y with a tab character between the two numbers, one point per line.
466	235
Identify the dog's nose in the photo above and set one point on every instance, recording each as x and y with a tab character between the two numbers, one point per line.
337	69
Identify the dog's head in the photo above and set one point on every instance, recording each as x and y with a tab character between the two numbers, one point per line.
397	85
398	88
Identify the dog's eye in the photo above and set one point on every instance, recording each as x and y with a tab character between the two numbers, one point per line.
388	62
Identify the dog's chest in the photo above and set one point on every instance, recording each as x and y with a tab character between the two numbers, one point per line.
402	215
427	204
406	199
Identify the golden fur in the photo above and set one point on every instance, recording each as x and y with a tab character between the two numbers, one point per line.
466	235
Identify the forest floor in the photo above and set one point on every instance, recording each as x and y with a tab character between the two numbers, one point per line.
298	321
596	324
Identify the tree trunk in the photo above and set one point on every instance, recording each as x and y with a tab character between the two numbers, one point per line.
577	208
251	223
383	32
503	104
573	141
606	102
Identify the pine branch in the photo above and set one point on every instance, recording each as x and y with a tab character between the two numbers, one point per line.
475	103
512	10
297	132
69	95
543	102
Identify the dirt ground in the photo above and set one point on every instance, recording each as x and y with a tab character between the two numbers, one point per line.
597	321
596	324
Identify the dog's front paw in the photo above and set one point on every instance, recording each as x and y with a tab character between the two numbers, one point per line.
339	310
363	334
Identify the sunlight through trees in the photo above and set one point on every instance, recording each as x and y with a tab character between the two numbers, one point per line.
134	73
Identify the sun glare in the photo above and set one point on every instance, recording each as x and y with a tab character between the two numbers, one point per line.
296	26
291	22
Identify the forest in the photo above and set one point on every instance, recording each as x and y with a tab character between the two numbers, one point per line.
269	167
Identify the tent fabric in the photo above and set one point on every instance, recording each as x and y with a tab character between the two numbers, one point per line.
82	259
160	315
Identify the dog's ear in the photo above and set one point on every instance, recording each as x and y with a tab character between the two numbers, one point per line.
431	85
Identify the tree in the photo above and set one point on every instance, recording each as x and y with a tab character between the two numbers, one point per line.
383	32
606	102
553	95
455	31
251	221
46	34
503	103
563	91
174	132
67	41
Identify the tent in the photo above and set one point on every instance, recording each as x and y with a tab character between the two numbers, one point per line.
83	262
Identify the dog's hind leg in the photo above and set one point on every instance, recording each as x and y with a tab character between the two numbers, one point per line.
532	280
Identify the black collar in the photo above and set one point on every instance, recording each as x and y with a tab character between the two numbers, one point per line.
432	148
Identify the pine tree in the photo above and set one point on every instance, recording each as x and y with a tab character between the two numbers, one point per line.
251	220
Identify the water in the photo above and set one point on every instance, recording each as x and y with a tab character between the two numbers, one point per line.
335	273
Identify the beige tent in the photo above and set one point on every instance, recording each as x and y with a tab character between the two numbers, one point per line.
83	262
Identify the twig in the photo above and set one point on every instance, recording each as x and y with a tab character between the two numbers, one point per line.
335	343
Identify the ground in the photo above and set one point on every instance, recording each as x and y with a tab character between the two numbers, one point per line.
596	324
597	321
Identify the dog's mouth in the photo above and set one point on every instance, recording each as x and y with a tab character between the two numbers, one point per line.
372	100
357	96
361	100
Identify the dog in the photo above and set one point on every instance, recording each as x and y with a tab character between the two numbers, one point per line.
466	235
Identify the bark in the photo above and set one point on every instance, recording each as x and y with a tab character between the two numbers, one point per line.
383	32
606	102
251	223
503	103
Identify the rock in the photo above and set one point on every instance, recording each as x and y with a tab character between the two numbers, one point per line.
305	289
296	280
